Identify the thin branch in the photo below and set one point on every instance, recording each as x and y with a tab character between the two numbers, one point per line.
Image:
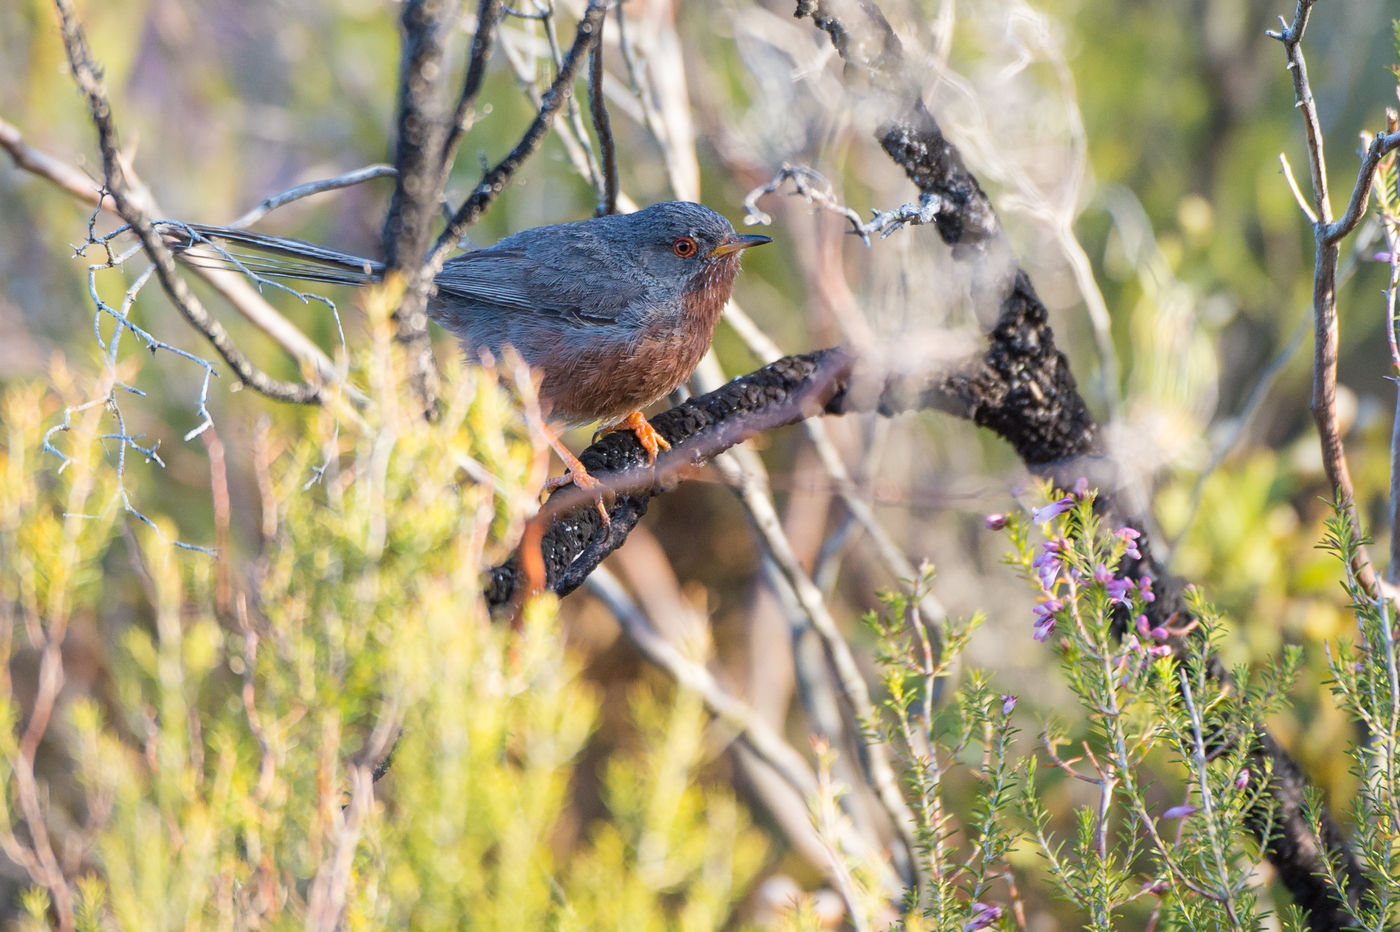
1303	204
234	288
320	186
44	165
1292	38
1390	228
488	18
573	114
1381	146
119	184
1327	235
495	180
602	125
420	138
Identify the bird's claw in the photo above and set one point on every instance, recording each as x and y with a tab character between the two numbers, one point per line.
649	437
579	476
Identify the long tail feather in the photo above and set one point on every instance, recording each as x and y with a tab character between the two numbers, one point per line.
270	256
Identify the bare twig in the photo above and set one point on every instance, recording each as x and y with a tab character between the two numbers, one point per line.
1327	233
602	125
1381	145
1298	195
1390	228
881	222
234	288
118	181
495	180
488	18
320	186
46	166
419	147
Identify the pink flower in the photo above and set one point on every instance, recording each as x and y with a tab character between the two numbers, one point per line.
1008	702
1180	812
994	522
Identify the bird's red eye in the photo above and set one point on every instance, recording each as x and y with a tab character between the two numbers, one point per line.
685	247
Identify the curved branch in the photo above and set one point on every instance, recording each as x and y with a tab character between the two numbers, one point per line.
89	79
495	180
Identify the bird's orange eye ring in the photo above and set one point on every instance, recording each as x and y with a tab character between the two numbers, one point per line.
685	247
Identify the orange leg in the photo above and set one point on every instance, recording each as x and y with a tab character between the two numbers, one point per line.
647	435
577	474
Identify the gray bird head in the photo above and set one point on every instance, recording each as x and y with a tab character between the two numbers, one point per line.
678	240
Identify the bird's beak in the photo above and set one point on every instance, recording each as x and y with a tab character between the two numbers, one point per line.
735	242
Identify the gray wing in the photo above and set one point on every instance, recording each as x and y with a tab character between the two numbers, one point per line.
566	274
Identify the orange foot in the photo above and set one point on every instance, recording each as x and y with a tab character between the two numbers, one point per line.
647	436
576	474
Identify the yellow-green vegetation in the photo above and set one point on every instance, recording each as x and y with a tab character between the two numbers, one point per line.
224	775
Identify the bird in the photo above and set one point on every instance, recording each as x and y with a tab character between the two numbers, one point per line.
611	313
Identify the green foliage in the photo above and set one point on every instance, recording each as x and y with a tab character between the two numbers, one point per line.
962	838
228	780
1366	683
1138	809
1164	747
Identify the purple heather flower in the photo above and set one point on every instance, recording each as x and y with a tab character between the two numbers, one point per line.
1383	256
1144	627
1044	627
1008	702
1180	812
1049	563
1242	780
1053	510
983	915
994	522
1160	650
1130	537
1081	487
1116	588
1145	587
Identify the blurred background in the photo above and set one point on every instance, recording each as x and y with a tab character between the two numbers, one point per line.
1131	148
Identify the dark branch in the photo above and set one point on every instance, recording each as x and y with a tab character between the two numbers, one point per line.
422	129
88	76
602	124
488	17
1060	430
783	392
421	132
495	180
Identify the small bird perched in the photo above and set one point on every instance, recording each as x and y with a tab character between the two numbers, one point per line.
612	313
